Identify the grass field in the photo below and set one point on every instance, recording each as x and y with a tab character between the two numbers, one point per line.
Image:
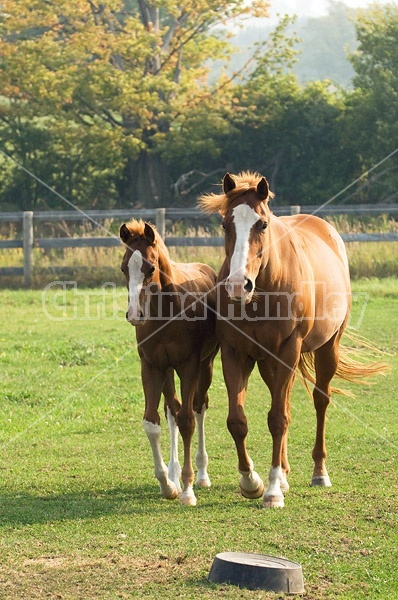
80	511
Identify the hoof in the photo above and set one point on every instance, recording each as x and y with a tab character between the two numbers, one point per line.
188	498
273	502
252	494
169	491
284	486
321	481
204	482
175	476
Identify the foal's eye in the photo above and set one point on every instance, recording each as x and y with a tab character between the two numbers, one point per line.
151	270
264	225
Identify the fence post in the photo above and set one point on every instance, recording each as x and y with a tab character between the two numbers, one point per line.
27	247
295	209
161	221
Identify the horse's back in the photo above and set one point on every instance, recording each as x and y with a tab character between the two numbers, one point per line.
194	276
320	242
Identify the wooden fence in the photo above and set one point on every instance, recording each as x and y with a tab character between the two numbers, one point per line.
160	216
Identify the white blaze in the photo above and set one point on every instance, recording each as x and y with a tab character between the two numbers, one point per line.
244	219
136	279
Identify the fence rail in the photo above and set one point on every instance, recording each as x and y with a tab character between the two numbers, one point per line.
160	216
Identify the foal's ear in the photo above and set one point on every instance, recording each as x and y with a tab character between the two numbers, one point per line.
149	233
228	184
124	233
262	188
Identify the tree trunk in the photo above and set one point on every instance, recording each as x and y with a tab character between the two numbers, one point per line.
147	183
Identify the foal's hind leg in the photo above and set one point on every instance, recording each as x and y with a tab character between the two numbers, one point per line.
200	406
172	406
326	361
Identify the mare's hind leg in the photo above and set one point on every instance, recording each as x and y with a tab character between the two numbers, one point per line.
326	361
200	406
172	406
153	382
237	369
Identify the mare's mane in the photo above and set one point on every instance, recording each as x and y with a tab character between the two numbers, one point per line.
244	182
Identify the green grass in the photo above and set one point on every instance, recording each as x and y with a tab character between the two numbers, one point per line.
80	511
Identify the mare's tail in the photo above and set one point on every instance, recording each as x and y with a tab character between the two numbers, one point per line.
351	366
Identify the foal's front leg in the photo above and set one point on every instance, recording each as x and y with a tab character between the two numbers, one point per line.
188	374
172	406
153	381
200	406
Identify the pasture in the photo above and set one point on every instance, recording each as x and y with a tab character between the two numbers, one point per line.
80	510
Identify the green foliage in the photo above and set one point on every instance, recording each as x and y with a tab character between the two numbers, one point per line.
127	71
81	515
324	44
116	104
372	109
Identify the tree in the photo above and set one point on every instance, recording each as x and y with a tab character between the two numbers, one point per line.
287	132
324	44
371	122
133	70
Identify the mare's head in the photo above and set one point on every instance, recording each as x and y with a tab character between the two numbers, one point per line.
243	205
140	266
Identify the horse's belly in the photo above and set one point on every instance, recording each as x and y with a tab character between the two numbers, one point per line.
165	347
255	339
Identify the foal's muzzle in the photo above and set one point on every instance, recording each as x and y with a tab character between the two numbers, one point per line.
136	320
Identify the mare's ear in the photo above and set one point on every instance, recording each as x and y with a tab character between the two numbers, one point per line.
124	233
262	188
228	184
149	233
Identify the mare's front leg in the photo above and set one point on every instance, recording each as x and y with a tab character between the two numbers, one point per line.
153	380
283	368
267	370
237	368
172	406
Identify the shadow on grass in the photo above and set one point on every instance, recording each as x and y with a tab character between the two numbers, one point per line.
25	508
28	509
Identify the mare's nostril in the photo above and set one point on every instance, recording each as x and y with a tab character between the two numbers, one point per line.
248	286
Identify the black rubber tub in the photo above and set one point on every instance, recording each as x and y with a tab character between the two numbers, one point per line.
257	572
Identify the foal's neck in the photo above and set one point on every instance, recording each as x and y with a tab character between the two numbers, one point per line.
165	269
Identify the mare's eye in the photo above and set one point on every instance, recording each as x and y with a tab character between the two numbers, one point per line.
151	270
264	225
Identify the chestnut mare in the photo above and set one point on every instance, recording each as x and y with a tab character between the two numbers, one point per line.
169	304
283	303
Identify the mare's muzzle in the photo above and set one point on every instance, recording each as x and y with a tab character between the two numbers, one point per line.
240	290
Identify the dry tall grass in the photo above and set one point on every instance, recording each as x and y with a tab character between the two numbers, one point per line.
95	266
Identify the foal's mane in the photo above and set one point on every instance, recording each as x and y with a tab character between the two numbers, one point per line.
244	182
137	229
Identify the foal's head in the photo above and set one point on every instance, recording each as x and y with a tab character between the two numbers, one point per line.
140	267
244	208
